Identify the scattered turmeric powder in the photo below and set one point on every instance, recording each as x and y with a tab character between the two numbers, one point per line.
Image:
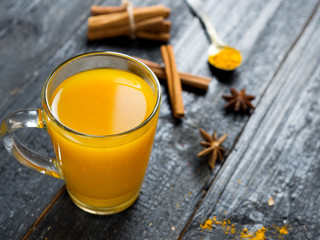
245	234
229	229
225	224
258	235
227	59
207	224
283	230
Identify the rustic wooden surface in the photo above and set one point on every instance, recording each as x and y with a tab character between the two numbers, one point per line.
273	152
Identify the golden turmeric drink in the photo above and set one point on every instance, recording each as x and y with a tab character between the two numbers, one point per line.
107	170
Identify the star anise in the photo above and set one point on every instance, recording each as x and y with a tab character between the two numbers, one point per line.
213	147
238	100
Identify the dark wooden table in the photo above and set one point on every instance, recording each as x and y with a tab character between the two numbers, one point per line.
271	153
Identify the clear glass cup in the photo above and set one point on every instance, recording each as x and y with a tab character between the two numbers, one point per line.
103	174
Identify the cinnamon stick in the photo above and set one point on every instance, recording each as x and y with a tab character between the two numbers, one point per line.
165	26
155	22
100	10
173	81
186	78
122	18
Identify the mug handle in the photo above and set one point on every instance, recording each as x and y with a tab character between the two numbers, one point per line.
26	118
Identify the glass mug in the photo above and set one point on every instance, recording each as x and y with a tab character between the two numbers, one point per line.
102	173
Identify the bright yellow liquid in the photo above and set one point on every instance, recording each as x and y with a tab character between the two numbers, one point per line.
102	101
103	172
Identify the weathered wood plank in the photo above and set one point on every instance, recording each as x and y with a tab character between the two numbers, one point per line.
276	156
176	177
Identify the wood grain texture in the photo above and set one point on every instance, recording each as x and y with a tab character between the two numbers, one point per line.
276	156
176	179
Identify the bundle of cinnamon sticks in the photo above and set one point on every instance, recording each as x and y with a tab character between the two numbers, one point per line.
142	22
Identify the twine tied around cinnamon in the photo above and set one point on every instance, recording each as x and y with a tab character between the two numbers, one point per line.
129	7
